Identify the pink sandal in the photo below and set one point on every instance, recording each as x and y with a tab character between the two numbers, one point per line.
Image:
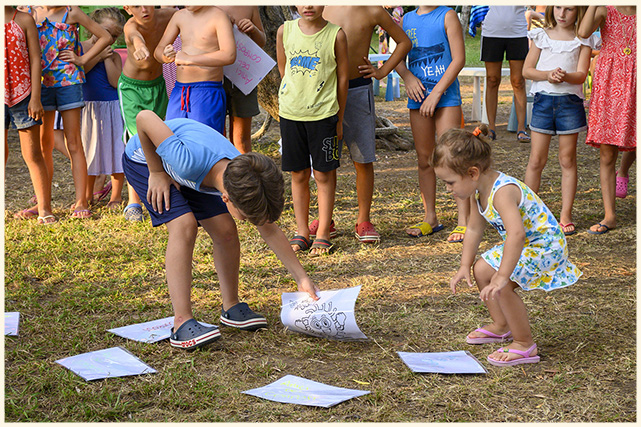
526	358
622	186
490	338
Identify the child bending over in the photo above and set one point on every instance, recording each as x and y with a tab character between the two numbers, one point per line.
534	254
187	175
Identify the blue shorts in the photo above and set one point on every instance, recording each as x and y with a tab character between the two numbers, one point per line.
62	98
558	115
17	117
200	101
202	205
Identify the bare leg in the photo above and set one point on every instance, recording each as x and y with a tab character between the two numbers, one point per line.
520	97
508	313
91	180
117	182
364	189
608	161
424	133
567	159
47	143
627	159
59	143
30	148
448	118
539	151
71	123
326	184
493	73
226	251
182	233
300	200
240	131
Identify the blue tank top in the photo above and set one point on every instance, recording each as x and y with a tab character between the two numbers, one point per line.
97	87
430	54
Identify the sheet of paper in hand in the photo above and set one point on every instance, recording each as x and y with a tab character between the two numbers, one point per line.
109	363
251	66
11	322
451	362
293	389
332	316
149	332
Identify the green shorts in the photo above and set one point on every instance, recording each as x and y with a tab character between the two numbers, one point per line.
137	95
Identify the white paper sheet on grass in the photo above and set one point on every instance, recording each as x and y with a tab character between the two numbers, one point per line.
251	66
11	322
451	362
332	316
109	363
148	332
293	389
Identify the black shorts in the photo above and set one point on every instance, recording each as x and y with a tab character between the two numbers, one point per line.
494	48
317	139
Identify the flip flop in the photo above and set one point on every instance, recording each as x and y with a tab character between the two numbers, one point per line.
302	243
569	224
321	244
458	230
81	214
600	232
490	338
622	186
522	136
102	193
425	229
47	220
27	213
525	359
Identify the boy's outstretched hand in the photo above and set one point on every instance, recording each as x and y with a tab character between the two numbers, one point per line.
141	53
306	285
463	273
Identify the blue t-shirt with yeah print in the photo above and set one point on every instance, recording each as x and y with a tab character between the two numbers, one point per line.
189	154
430	54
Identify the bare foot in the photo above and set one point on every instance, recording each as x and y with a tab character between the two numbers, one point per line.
505	356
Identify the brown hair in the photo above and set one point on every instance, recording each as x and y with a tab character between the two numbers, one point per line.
460	149
550	22
256	187
113	13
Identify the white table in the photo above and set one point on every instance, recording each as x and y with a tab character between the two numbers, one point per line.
478	104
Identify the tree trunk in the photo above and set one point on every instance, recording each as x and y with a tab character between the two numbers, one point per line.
465	18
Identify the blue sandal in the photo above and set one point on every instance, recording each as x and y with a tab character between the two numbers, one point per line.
491	134
522	136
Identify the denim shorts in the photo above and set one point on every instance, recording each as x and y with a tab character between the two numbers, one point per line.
558	115
62	98
17	117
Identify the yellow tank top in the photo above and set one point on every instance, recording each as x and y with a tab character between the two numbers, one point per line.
308	89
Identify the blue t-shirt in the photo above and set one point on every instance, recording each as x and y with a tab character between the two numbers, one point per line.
189	154
430	54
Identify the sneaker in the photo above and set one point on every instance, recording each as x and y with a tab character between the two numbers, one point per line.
242	317
192	334
133	212
366	233
313	228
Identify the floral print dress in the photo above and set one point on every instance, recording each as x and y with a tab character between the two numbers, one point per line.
544	260
54	37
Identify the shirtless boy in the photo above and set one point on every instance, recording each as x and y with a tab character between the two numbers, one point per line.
240	107
359	124
207	45
141	85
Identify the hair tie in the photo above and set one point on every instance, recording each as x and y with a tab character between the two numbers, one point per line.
476	132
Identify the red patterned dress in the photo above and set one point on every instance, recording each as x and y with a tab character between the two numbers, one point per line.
613	108
17	72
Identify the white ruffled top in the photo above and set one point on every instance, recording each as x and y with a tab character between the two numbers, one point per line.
559	53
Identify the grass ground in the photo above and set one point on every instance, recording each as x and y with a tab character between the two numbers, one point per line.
74	280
